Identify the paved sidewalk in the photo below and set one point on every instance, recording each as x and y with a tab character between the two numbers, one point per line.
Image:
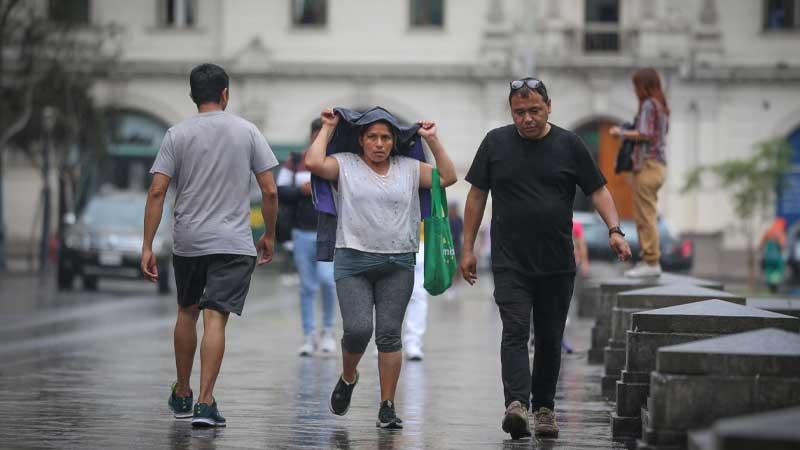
93	371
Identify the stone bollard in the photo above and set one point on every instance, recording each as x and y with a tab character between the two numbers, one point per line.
629	302
662	327
601	330
587	289
773	430
782	305
696	383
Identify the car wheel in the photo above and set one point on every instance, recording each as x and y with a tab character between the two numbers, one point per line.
65	278
90	283
163	280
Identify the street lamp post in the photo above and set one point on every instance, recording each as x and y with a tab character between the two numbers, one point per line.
48	124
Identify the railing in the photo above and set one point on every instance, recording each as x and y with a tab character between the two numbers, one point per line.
602	37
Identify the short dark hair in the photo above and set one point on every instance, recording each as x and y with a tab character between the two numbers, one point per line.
207	82
316	125
525	92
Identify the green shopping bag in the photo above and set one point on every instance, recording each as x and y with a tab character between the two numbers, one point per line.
440	255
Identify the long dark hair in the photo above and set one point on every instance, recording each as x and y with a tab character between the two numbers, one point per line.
648	85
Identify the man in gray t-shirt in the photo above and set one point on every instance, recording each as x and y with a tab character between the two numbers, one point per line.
208	160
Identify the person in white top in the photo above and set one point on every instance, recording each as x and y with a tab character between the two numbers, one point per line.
377	203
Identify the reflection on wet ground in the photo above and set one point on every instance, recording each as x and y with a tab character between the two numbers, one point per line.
92	370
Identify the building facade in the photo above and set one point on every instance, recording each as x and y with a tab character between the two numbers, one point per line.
731	71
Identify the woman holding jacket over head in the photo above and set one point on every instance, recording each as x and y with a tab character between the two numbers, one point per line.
649	166
377	236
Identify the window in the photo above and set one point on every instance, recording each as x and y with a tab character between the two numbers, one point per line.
782	15
73	12
179	13
427	13
602	26
309	13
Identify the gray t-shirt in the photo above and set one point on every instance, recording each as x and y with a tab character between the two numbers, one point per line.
209	158
377	213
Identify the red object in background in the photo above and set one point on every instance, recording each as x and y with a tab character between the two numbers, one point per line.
686	248
52	249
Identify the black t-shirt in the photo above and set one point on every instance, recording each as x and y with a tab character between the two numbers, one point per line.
533	187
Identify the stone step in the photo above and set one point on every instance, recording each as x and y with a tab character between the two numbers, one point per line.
773	430
630	427
671	295
630	302
713	316
765	352
630	398
608	288
789	306
683	402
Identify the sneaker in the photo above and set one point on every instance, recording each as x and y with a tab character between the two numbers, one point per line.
544	423
181	406
341	395
515	421
644	270
387	418
413	352
308	347
207	416
327	343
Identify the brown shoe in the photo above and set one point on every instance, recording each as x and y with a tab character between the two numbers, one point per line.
544	423
515	421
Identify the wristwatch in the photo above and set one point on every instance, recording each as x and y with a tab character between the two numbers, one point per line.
617	230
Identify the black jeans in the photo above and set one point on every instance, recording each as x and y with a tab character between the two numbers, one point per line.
548	299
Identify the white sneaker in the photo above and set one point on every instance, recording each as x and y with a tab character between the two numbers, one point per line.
308	347
327	344
413	352
644	270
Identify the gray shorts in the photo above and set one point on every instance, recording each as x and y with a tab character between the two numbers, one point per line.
219	282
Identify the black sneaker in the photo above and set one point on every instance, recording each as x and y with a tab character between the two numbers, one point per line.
207	416
340	398
387	418
181	406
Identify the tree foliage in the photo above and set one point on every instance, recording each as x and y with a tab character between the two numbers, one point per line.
751	182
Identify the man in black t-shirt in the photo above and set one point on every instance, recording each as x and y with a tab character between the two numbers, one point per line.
532	168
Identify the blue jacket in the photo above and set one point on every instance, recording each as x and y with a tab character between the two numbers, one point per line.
345	139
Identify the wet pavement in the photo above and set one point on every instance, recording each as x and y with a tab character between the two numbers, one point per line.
93	369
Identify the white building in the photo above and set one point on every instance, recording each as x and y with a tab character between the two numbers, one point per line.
731	70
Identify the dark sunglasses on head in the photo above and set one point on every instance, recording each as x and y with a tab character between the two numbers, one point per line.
532	83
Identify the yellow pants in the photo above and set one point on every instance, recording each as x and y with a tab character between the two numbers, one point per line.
646	184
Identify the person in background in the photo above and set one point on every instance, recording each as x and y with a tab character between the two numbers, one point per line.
417	310
649	166
771	247
581	249
457	230
294	187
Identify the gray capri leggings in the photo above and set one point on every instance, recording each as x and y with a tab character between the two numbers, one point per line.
388	287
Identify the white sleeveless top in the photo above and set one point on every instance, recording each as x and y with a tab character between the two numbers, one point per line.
377	213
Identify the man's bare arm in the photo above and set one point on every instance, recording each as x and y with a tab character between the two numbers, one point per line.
473	214
153	210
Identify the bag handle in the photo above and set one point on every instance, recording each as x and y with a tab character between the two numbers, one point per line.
438	196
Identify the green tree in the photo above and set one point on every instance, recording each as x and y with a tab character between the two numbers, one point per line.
751	184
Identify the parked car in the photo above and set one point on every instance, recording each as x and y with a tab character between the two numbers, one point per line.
677	254
105	241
